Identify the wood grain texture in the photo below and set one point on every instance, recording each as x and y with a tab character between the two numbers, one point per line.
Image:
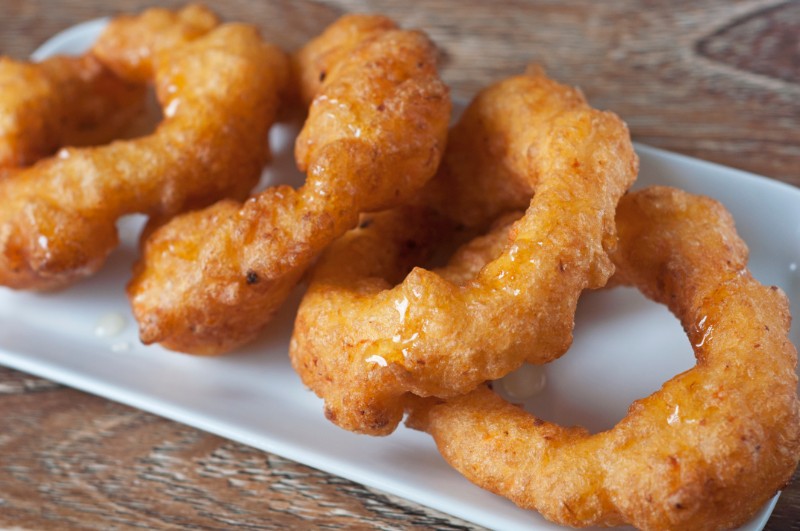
69	460
714	79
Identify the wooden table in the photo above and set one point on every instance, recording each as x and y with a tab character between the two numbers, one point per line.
714	79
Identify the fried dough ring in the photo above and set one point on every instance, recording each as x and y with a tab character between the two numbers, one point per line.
704	452
78	101
312	63
61	101
361	343
211	280
219	91
131	44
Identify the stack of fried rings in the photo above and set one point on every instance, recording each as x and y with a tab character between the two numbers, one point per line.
704	452
210	280
219	89
361	343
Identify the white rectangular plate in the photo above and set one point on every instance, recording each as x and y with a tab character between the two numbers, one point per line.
254	397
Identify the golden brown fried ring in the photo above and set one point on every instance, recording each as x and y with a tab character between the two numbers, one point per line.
361	344
219	93
312	63
210	280
484	175
130	44
704	452
62	101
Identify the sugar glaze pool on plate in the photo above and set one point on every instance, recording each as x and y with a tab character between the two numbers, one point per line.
625	347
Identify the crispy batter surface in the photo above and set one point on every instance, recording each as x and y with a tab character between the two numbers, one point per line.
219	93
312	63
487	166
211	280
362	343
131	44
62	101
709	448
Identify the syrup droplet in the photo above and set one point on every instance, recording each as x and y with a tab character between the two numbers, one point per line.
120	346
707	334
172	108
109	325
525	382
379	360
402	308
675	417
